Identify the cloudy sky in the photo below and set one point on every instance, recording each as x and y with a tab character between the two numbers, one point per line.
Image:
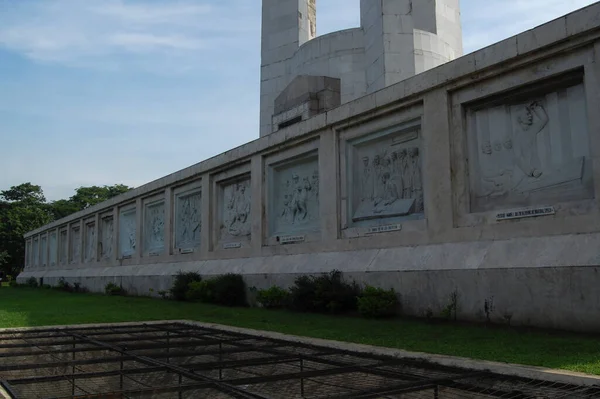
96	92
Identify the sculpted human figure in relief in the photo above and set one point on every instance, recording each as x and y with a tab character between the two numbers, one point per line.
238	211
531	120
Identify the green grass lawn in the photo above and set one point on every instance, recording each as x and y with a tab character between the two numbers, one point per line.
21	307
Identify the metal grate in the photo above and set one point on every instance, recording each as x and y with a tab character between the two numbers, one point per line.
174	360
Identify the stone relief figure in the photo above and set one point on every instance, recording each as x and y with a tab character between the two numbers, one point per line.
63	247
237	210
131	233
298	192
75	233
531	152
366	180
107	238
155	227
391	186
90	253
417	184
36	253
531	119
190	223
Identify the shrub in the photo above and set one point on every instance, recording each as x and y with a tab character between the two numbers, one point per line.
273	298
113	289
64	285
377	302
302	294
32	282
181	284
229	290
203	291
13	283
326	293
163	294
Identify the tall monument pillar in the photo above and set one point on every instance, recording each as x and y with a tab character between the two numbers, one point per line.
286	25
396	40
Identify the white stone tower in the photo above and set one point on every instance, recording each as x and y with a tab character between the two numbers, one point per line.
397	39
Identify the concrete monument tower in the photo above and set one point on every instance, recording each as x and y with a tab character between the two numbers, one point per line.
303	75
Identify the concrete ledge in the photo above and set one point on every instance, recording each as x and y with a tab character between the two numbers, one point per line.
508	369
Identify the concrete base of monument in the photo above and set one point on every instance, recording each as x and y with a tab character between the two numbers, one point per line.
549	282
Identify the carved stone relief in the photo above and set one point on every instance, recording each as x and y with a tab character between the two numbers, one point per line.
36	252
75	244
384	178
295	197
52	249
531	152
44	251
106	240
127	232
154	228
188	220
63	247
235	210
90	242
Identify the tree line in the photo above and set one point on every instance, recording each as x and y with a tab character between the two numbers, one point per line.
24	208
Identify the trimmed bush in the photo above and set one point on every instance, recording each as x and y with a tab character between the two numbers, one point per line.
229	290
273	298
181	284
203	291
113	289
303	294
32	282
377	302
327	293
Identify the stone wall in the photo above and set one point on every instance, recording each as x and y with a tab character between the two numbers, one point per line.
478	177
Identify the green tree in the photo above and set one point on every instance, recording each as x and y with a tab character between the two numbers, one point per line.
22	208
84	198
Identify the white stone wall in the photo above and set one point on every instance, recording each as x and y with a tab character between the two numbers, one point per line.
482	171
396	40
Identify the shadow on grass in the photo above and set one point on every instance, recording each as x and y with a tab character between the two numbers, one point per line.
22	307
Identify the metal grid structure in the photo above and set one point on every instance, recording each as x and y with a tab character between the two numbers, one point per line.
176	360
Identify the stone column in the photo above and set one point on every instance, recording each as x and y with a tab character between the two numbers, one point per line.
328	185
208	219
257	205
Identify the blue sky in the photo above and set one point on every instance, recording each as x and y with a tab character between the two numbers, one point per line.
96	92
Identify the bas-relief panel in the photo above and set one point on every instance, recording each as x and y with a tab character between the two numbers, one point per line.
188	220
154	228
90	242
44	251
52	249
295	197
75	244
63	247
106	240
127	232
36	252
532	152
385	181
235	221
